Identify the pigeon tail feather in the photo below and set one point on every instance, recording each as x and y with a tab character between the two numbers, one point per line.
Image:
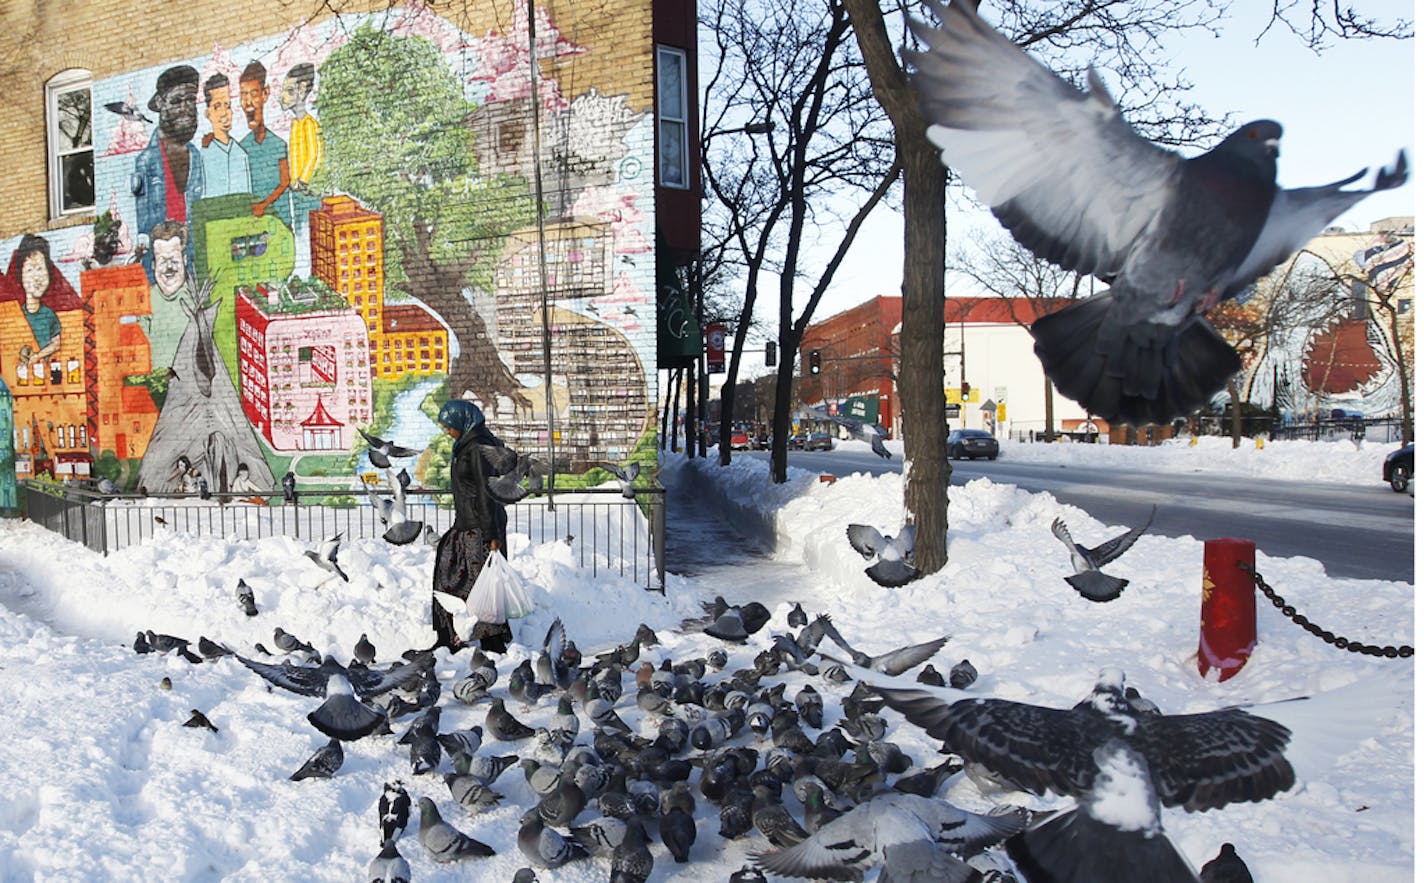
892	574
1096	585
343	717
1072	847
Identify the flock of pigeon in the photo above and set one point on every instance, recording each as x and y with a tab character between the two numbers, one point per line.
631	747
894	557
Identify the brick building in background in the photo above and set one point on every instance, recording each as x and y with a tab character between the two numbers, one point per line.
84	152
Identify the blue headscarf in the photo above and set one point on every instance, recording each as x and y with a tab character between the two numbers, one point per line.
468	419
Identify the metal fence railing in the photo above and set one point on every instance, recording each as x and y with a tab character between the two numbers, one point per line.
605	530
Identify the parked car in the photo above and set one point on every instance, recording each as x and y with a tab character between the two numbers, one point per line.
972	443
818	441
740	440
796	442
1399	468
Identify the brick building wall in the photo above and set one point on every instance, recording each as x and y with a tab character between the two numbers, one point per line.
454	183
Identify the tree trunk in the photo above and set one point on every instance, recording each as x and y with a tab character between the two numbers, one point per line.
922	322
1235	413
1048	425
478	368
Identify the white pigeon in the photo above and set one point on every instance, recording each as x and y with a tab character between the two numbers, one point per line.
915	838
400	529
1088	578
894	557
325	557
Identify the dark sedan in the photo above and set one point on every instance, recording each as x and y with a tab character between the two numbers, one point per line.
1399	468
818	441
972	443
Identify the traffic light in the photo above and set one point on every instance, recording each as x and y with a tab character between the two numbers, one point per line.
814	358
771	354
964	389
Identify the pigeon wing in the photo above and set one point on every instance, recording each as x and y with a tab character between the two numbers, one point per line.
840	850
507	488
305	680
1205	761
368	683
633	469
904	542
1060	530
1297	215
1061	168
865	539
1119	544
1038	749
897	662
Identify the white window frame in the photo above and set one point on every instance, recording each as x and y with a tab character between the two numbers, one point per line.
66	81
681	122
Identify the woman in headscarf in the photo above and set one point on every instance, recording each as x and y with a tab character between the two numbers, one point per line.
480	521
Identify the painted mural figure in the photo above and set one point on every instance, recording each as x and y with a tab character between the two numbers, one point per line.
42	291
172	286
202	420
266	151
304	147
225	165
168	173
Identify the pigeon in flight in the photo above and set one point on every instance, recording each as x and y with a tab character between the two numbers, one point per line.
1122	766
381	451
341	716
400	530
511	487
128	110
1076	185
325	557
198	720
912	836
894	556
895	662
872	433
625	475
1088	577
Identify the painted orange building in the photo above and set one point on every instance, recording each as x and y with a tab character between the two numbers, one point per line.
120	416
51	419
348	254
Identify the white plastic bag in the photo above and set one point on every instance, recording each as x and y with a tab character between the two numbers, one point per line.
499	594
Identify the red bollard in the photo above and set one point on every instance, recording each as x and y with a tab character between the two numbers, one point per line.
1228	610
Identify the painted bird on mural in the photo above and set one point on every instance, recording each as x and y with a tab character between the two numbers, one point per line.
1076	185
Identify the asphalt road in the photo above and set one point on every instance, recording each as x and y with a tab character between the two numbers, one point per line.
1355	532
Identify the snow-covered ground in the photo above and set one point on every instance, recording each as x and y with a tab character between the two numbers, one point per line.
102	781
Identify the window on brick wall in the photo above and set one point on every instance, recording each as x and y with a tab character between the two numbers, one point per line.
672	118
69	118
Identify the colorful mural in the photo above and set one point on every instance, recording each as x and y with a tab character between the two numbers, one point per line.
301	228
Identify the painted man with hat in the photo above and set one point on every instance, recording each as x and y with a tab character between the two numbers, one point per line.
168	173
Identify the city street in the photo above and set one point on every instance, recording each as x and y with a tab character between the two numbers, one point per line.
1355	532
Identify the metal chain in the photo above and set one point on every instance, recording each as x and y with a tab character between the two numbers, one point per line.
1402	652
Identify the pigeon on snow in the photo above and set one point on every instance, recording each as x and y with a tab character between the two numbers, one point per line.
894	556
1070	179
393	810
388	867
912	836
323	764
1227	867
245	598
381	451
1088	577
341	716
1122	766
442	841
325	557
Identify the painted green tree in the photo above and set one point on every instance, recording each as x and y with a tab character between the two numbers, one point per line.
395	123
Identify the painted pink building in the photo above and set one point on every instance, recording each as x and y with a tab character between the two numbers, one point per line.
303	373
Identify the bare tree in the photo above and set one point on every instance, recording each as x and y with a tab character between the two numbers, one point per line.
795	153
